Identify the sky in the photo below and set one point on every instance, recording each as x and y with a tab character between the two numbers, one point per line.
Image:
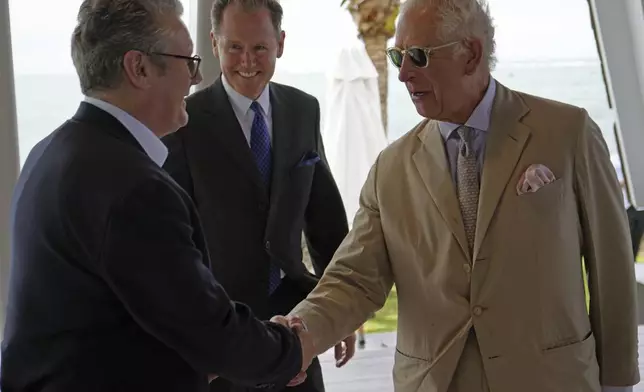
525	30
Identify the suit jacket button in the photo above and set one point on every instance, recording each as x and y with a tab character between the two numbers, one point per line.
268	245
477	311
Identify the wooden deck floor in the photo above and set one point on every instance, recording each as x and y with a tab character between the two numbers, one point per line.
370	369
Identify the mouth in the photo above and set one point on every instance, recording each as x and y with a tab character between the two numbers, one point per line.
248	75
418	94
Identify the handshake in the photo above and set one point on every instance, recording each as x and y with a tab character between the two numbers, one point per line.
306	341
344	350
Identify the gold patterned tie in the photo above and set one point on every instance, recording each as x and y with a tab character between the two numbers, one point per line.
467	178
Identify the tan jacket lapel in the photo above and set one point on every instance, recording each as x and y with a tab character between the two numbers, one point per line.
506	140
431	162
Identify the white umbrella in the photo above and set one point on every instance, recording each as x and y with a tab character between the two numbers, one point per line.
353	132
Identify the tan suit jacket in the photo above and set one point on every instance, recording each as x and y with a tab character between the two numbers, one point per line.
522	290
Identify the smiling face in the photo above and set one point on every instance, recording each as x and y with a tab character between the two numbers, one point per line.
160	81
444	90
247	47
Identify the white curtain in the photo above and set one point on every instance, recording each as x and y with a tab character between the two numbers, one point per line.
353	132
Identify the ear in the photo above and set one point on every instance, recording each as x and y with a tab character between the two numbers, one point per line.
137	68
215	49
474	55
280	44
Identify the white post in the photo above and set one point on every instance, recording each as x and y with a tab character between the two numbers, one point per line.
209	64
620	27
9	162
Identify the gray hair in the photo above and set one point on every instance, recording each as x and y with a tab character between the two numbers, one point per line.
462	19
107	29
273	7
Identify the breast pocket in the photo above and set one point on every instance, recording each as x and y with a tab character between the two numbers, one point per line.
547	198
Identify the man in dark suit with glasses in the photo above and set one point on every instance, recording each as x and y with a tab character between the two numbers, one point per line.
110	286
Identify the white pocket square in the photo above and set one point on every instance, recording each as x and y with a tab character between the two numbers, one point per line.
535	177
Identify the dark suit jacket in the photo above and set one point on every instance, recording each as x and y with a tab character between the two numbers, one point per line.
247	224
247	227
110	287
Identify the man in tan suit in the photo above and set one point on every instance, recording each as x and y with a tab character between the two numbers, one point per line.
481	216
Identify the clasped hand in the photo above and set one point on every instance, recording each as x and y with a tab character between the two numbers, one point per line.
344	350
306	341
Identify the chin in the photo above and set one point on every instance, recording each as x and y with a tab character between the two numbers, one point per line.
250	88
428	111
180	121
420	108
183	119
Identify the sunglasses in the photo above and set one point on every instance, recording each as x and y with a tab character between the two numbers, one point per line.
193	61
419	56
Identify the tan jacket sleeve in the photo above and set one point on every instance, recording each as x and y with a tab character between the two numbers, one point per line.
608	258
356	282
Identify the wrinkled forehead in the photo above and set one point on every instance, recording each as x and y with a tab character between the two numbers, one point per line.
417	26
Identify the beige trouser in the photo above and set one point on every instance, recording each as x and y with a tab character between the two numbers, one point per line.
470	375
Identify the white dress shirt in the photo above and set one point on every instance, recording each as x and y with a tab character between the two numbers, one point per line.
479	122
151	144
245	115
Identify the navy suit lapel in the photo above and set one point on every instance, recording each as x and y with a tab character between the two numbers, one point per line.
229	134
284	139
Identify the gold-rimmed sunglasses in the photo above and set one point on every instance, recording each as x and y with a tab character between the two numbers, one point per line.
193	61
419	56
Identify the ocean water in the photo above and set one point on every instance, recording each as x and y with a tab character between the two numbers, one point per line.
44	101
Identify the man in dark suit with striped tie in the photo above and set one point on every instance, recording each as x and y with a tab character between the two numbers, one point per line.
253	161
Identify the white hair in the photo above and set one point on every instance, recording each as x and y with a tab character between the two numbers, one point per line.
462	19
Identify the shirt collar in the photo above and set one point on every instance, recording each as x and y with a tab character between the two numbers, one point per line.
241	104
480	117
152	145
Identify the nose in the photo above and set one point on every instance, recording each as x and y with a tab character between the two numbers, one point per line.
406	70
248	59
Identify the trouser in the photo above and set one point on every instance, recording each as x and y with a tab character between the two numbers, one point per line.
470	374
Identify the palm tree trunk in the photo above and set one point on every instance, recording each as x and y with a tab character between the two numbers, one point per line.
376	47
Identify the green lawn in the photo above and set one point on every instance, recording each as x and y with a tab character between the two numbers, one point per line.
387	318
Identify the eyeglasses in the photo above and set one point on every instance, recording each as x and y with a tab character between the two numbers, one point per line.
418	56
193	61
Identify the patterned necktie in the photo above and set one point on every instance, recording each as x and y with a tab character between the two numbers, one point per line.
467	178
260	146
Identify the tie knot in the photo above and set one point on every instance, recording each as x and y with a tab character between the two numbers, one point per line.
465	133
255	107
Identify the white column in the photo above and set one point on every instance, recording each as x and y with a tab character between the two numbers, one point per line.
209	65
620	27
9	163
